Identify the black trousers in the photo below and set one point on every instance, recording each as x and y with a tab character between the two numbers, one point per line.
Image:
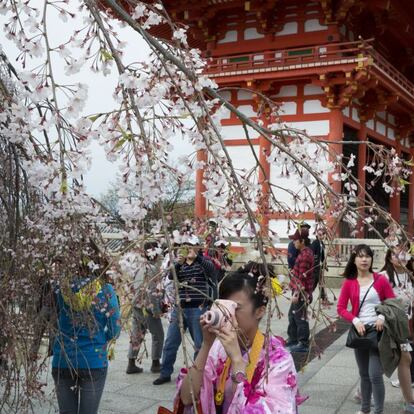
298	329
316	278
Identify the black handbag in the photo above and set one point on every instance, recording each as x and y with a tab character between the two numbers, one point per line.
371	337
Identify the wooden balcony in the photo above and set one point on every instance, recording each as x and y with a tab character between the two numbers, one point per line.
310	59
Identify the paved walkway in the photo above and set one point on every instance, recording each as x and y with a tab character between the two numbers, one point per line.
330	381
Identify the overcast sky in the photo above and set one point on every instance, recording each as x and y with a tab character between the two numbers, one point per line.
102	172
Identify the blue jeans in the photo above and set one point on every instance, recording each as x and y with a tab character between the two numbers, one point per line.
298	328
79	391
191	318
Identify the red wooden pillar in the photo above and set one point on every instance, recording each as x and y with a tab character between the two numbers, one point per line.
264	178
336	132
362	160
411	199
200	210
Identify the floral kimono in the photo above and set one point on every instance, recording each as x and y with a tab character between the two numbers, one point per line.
278	393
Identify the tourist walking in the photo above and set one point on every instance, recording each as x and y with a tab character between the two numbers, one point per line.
147	309
319	258
364	290
88	319
301	285
230	374
395	269
198	285
293	252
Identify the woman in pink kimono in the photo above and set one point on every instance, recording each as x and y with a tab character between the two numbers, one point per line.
223	381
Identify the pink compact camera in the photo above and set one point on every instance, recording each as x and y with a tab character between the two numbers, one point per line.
220	313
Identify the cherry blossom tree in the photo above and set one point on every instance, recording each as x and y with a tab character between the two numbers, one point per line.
51	224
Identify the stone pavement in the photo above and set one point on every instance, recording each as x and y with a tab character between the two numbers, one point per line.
330	381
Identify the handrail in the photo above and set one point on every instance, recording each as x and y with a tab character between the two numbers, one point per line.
391	71
331	53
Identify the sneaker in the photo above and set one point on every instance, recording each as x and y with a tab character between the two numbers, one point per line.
396	384
299	347
408	408
162	380
357	397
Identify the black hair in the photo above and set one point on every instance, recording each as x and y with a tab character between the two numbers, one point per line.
150	245
237	281
257	269
351	271
390	269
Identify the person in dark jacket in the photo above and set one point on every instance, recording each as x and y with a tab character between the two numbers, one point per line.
198	287
301	284
319	259
293	252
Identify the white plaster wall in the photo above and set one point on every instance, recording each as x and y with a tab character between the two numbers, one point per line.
242	156
313	128
370	124
225	112
288	108
230	36
281	228
345	111
314	106
243	162
252	33
355	116
278	56
247	110
380	128
313	25
292	184
237	132
382	115
391	133
312	90
244	95
287	90
288	28
226	95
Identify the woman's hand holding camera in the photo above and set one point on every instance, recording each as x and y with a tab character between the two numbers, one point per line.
208	335
227	335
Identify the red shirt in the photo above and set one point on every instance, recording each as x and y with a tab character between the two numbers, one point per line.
302	272
350	293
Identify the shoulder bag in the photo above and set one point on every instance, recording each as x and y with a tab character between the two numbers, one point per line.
369	340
